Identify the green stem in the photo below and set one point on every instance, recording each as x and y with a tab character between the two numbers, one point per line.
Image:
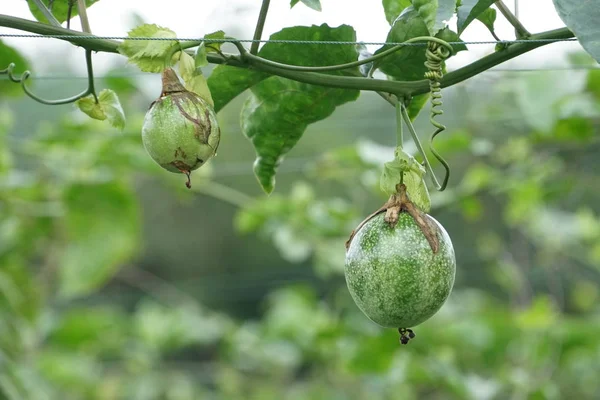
260	24
419	146
23	79
90	73
520	30
85	22
155	286
225	194
498	57
47	13
190	44
399	128
494	35
411	88
352	64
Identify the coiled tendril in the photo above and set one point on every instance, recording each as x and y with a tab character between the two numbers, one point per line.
436	54
437	51
25	75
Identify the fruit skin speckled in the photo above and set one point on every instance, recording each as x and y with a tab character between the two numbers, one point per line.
393	275
180	130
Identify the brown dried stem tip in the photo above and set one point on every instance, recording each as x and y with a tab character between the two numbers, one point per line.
397	203
171	83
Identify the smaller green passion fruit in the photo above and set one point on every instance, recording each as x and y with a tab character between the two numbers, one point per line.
180	130
400	266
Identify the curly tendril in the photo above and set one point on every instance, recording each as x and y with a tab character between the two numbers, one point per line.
26	75
437	51
436	54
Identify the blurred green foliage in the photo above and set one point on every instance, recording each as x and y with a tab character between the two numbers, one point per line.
118	283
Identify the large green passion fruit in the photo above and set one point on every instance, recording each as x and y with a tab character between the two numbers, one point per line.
180	130
400	267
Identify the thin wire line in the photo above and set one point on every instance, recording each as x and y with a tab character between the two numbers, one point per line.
327	42
151	75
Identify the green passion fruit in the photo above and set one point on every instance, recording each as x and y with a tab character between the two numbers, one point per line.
400	266
180	130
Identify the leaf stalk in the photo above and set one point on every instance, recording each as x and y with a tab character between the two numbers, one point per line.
520	30
260	24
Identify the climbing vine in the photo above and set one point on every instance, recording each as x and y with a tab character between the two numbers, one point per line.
412	61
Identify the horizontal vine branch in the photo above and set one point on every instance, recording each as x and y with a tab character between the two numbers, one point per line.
402	88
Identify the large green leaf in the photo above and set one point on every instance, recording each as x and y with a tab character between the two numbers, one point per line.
278	111
226	82
102	231
406	63
393	8
434	12
9	55
409	62
469	10
450	36
582	17
59	8
416	104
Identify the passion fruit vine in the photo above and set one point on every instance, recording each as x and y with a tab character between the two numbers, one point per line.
180	130
400	265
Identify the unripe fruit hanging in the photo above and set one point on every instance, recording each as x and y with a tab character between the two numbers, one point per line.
400	266
180	130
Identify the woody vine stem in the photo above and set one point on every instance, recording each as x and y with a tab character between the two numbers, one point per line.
406	89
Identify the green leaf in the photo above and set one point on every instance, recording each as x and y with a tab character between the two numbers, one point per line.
406	169
582	17
192	77
95	327
434	12
226	83
393	8
102	229
204	48
278	111
108	108
408	63
118	80
574	129
314	4
19	291
9	55
416	105
536	96
445	11
450	36
149	55
59	8
469	10
488	17
593	83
